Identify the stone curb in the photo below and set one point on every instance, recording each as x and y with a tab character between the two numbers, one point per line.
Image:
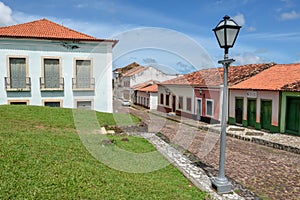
195	174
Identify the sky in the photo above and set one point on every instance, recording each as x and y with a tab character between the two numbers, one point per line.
174	35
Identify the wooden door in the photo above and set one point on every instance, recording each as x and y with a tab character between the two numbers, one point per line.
199	109
266	114
251	112
293	116
173	103
239	111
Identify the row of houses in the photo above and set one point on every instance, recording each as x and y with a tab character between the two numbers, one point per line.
133	81
47	64
263	96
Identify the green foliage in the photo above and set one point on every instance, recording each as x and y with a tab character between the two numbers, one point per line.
42	157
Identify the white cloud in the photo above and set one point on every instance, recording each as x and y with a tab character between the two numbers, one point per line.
239	19
5	15
248	58
289	15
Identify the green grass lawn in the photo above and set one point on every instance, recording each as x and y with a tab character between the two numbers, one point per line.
42	157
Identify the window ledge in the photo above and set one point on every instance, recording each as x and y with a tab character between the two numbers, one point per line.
51	89
83	89
18	90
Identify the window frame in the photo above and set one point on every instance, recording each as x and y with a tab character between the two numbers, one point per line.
82	100
206	107
60	101
161	100
180	103
8	83
92	81
61	81
167	99
9	102
189	104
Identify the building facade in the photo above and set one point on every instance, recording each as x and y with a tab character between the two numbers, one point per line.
46	64
198	95
269	100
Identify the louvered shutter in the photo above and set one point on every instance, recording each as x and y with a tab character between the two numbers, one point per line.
18	72
51	73
83	70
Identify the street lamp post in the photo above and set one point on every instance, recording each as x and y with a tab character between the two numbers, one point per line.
116	89
226	32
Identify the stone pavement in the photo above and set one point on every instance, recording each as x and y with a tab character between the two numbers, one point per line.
275	140
194	173
268	172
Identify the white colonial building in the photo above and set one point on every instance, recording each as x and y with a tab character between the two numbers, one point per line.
46	64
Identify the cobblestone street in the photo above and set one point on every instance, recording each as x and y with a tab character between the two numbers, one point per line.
269	173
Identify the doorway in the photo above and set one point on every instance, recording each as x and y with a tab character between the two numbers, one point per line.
173	103
239	111
251	112
293	115
199	109
266	114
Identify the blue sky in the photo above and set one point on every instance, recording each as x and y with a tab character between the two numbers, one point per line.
270	32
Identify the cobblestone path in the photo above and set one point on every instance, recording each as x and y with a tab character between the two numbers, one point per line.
268	172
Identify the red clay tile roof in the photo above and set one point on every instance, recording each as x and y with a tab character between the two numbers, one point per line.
279	77
45	29
123	70
214	76
151	88
145	84
130	69
293	87
134	71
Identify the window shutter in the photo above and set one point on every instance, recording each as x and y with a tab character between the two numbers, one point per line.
51	73
83	70
18	72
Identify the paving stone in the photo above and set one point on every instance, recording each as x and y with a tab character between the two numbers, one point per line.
269	172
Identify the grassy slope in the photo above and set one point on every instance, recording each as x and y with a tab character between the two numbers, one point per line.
42	157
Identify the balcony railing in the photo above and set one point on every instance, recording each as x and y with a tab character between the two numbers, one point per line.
83	83
51	84
17	84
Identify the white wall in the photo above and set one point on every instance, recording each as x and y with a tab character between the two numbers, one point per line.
185	91
261	95
34	50
153	101
150	73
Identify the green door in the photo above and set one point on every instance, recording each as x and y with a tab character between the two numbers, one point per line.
293	116
266	114
239	111
251	112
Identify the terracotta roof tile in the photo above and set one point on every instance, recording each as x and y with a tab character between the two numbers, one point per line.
278	77
151	88
214	76
145	84
45	29
123	70
294	87
134	71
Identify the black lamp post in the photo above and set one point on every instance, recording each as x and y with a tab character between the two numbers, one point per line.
226	32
